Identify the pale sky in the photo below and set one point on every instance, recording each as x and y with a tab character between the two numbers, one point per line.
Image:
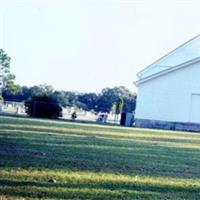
89	45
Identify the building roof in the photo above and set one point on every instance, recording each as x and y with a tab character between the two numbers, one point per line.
166	71
183	54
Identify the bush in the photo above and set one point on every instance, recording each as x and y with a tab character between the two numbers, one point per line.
43	106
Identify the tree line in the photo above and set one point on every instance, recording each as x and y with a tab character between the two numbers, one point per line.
105	101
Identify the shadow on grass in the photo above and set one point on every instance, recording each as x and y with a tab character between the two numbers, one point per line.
94	154
91	189
103	185
54	146
102	132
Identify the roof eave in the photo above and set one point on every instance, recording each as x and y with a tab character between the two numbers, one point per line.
171	52
153	76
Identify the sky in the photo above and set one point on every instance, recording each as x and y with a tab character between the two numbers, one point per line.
86	46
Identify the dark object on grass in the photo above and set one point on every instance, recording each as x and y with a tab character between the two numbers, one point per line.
52	180
44	107
74	116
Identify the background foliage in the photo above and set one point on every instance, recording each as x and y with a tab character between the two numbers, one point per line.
43	106
102	102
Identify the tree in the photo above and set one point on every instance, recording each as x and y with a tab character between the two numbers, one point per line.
108	96
23	94
44	102
87	101
130	103
106	99
119	106
6	77
103	102
72	98
43	106
41	90
60	97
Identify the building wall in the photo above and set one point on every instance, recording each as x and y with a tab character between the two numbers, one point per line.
172	97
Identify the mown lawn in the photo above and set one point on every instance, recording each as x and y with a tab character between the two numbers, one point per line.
43	159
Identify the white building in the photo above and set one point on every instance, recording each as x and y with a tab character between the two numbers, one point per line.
169	90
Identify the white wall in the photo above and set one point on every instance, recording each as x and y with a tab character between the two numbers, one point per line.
169	97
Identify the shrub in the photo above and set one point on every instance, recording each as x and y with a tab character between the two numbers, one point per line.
43	106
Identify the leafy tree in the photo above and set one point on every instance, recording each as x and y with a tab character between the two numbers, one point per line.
43	106
44	102
60	97
72	98
130	103
109	96
6	77
103	102
119	106
88	101
41	90
106	99
22	94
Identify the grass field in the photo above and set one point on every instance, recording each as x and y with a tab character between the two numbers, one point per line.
42	159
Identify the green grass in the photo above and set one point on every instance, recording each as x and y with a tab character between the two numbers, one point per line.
43	159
